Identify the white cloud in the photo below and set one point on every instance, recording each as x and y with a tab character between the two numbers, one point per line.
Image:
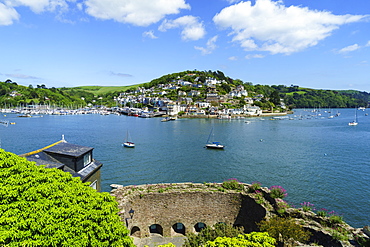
150	34
368	43
192	28
209	47
120	74
233	1
8	12
270	26
349	48
39	6
233	58
7	15
250	56
136	12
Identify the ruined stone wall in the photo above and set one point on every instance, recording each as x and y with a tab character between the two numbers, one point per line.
193	206
189	208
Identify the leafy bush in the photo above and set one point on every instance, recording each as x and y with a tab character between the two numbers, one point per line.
211	233
307	206
254	239
340	234
335	219
277	191
166	245
48	207
282	206
285	228
322	212
254	187
259	197
232	184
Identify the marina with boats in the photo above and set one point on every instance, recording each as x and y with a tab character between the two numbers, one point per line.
312	157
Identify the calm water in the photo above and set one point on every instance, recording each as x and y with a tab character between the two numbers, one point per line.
320	160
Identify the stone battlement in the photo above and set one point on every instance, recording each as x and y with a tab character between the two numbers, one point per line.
172	210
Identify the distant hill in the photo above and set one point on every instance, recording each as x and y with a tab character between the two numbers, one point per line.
12	94
101	90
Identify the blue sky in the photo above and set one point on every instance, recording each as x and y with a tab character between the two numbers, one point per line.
321	44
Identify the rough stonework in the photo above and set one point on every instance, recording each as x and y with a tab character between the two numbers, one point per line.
177	209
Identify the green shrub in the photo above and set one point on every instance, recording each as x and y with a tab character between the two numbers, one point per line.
254	239
340	234
48	207
307	206
221	189
255	186
282	206
335	219
277	191
167	245
211	233
259	197
285	228
322	213
232	184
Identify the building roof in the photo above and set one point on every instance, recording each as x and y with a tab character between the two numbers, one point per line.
44	156
69	149
60	147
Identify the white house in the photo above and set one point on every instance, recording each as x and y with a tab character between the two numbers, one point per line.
184	83
193	93
212	81
252	110
203	104
162	93
248	100
182	93
174	109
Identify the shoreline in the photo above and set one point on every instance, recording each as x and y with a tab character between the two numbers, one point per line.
237	116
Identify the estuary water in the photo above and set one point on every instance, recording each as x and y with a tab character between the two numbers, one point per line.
316	158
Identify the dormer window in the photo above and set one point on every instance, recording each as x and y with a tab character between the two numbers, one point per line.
87	159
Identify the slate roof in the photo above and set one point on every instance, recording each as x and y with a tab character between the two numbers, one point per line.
69	149
44	157
91	168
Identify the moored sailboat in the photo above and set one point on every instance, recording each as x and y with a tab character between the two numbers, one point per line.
354	122
212	144
128	143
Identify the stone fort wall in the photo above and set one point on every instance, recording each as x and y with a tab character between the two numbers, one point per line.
177	209
173	209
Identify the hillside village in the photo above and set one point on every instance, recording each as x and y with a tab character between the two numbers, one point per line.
188	93
196	98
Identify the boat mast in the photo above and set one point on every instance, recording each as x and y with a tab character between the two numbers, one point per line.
209	137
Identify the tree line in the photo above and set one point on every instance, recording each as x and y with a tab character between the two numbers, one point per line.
12	94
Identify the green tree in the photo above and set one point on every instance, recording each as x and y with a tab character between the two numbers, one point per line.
275	97
48	207
284	229
211	233
254	239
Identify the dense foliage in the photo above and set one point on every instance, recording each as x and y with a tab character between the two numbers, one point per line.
190	76
48	207
232	184
14	95
211	233
284	229
308	98
254	239
294	96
